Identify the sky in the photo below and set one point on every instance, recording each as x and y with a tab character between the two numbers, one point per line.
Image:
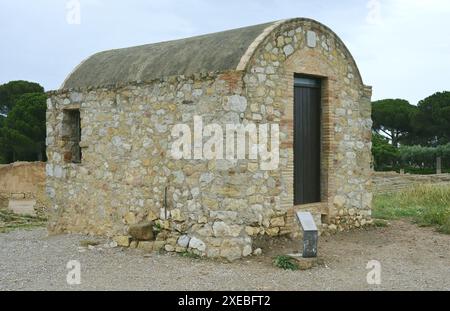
402	47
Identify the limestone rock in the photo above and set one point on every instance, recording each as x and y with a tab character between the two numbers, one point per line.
122	240
288	50
203	220
257	252
146	245
177	216
247	251
158	245
151	216
273	231
169	248
142	231
231	253
304	263
197	244
183	241
339	201
277	222
252	231
221	229
130	218
332	227
237	103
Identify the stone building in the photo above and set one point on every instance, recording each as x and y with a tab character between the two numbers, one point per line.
110	136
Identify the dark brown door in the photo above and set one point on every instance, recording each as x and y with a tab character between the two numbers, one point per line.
307	140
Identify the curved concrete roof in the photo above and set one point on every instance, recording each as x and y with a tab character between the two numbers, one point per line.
212	52
227	50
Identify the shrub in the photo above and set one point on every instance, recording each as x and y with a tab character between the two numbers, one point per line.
384	154
285	262
418	156
412	159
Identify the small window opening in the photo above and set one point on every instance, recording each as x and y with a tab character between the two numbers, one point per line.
71	135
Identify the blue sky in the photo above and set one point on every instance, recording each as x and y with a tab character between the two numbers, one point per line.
402	47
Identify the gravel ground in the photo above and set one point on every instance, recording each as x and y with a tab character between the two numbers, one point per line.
412	258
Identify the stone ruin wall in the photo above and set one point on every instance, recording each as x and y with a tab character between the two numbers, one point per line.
23	182
385	182
214	208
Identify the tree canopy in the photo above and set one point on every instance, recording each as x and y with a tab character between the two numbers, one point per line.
23	129
432	121
9	92
383	153
418	134
392	118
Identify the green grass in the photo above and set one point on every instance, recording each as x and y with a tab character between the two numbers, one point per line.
191	255
380	223
426	205
10	221
285	262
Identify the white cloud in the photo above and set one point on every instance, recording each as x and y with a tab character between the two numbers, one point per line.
402	47
406	54
374	12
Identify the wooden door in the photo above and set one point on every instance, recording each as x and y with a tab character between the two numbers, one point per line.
307	102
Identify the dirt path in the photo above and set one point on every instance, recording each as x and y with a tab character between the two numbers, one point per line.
412	258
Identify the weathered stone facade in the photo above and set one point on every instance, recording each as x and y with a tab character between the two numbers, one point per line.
216	207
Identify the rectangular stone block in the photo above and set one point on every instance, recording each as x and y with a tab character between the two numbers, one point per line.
22	207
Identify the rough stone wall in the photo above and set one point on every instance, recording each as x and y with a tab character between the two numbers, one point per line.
126	165
215	207
23	181
311	49
384	182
